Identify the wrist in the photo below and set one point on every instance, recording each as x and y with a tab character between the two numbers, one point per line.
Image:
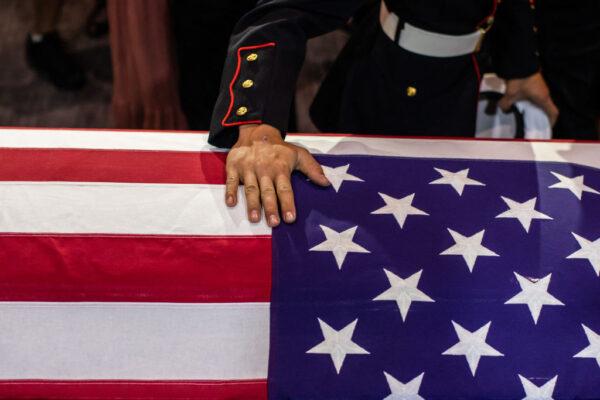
252	133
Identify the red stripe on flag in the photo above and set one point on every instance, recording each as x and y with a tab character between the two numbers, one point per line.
215	390
135	268
112	166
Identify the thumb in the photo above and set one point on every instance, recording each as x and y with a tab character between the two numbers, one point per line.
311	168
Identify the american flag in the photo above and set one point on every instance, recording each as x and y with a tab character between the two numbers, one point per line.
431	269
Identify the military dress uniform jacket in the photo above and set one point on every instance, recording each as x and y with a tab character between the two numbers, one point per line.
267	49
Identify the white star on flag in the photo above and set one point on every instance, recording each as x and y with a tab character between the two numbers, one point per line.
403	291
575	185
339	175
399	208
472	345
339	243
469	247
533	392
589	250
404	391
535	294
458	180
524	212
593	350
338	344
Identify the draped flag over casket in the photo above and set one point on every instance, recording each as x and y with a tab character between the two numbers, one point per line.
429	269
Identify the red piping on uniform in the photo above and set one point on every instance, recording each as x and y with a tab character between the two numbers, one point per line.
494	8
476	67
235	76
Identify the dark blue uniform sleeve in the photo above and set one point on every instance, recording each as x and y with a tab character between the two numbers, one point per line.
513	40
265	55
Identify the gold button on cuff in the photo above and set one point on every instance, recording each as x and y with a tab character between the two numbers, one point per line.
411	91
241	111
252	57
247	84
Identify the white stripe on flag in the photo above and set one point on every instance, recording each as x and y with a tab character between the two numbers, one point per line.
147	341
580	153
121	208
106	140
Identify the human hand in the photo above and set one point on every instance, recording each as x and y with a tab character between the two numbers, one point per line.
532	88
264	162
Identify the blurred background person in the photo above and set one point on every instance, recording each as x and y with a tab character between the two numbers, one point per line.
29	98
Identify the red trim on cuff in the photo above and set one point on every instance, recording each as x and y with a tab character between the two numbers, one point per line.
235	76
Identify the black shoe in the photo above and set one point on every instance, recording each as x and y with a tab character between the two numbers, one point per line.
49	58
97	21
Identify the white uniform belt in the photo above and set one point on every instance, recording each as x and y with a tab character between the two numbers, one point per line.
431	44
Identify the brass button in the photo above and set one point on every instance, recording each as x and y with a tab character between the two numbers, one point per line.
252	57
247	84
241	111
490	20
411	91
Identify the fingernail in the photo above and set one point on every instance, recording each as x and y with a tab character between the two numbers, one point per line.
230	200
254	216
289	217
273	220
325	180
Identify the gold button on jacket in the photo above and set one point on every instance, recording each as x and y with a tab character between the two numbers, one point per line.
241	111
247	84
252	57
